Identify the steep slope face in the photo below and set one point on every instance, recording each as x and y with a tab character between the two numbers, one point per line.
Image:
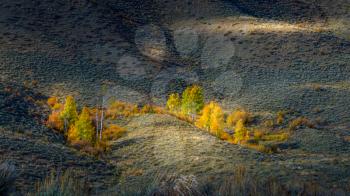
35	150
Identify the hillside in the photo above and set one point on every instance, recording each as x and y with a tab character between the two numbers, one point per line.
265	56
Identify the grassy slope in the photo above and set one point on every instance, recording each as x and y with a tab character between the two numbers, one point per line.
162	145
36	150
71	47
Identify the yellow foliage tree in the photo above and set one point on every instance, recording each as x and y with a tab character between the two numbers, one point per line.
174	102
204	119
83	128
69	114
212	119
241	132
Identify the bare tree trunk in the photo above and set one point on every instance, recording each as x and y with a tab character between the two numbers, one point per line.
101	128
65	126
96	118
102	116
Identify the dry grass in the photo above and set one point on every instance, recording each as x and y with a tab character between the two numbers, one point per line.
281	136
61	184
7	177
238	184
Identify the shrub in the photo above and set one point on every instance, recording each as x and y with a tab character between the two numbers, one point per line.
7	177
119	108
147	109
192	100
268	123
258	134
174	102
62	184
113	132
237	115
52	101
280	118
300	121
54	121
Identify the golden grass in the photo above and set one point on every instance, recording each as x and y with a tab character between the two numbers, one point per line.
113	132
281	136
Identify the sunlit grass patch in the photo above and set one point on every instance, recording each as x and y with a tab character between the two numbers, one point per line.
282	136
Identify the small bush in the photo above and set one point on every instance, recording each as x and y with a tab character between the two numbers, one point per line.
54	121
147	109
113	132
300	121
58	184
237	115
268	123
52	101
258	134
280	118
119	108
174	102
7	177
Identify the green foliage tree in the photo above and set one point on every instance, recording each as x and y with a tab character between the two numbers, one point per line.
192	100
174	102
69	113
83	128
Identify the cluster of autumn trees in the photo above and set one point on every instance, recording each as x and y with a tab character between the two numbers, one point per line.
87	126
209	117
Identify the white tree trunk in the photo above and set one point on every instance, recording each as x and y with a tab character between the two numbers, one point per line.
102	117
96	118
